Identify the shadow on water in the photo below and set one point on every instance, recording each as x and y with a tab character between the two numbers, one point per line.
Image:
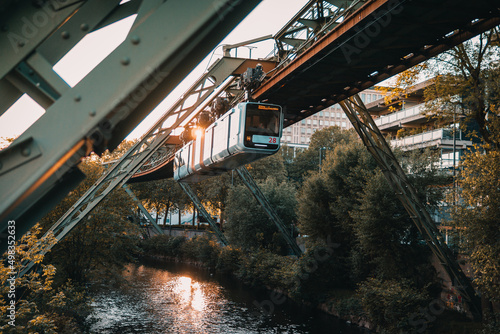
160	297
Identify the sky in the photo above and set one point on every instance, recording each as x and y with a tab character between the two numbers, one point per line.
267	18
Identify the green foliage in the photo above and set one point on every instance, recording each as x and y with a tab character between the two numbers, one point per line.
229	260
322	268
41	306
326	199
103	242
265	269
161	196
390	304
247	224
327	140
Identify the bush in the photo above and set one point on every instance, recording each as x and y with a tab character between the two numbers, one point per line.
390	304
229	260
267	269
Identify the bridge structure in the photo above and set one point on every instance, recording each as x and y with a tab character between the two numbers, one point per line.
326	54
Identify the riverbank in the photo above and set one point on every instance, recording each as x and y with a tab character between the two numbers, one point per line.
401	308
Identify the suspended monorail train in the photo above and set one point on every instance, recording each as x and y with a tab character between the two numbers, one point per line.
246	133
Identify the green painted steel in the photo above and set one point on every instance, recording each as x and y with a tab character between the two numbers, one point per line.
374	141
271	213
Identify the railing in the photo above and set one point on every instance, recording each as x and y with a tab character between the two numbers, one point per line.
427	137
400	115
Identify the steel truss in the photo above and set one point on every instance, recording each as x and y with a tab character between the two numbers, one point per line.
271	213
374	141
118	174
199	206
142	208
167	40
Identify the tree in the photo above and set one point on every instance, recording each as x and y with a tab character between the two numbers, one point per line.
160	196
321	141
326	198
386	237
35	303
101	243
477	219
247	225
466	86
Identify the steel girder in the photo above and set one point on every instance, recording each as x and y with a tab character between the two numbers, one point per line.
142	208
271	213
108	103
196	201
374	141
118	174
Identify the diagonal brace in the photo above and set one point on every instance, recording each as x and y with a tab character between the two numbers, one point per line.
261	198
199	206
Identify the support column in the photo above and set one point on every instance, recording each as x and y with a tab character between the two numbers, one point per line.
380	150
142	208
197	203
261	198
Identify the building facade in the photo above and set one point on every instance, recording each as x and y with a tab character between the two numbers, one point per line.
301	132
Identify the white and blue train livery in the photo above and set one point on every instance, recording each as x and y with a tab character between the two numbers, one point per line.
246	133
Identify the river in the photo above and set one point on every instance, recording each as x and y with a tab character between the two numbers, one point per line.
177	298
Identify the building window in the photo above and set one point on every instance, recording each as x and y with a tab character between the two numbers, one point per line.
302	139
327	123
320	122
343	116
321	113
344	124
315	122
309	121
302	130
327	114
309	130
303	121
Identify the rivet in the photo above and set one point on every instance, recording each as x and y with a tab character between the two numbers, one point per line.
20	44
84	27
125	61
93	112
135	39
65	34
78	98
26	151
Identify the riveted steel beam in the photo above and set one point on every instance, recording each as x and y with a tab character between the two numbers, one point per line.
374	141
199	206
111	100
268	209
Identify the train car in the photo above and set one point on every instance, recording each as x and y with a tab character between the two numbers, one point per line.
244	134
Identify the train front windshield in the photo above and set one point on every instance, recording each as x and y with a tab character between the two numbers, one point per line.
262	126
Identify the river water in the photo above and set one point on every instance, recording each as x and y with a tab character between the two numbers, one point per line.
176	298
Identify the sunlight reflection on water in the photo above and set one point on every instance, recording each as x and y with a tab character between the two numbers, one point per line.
169	300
